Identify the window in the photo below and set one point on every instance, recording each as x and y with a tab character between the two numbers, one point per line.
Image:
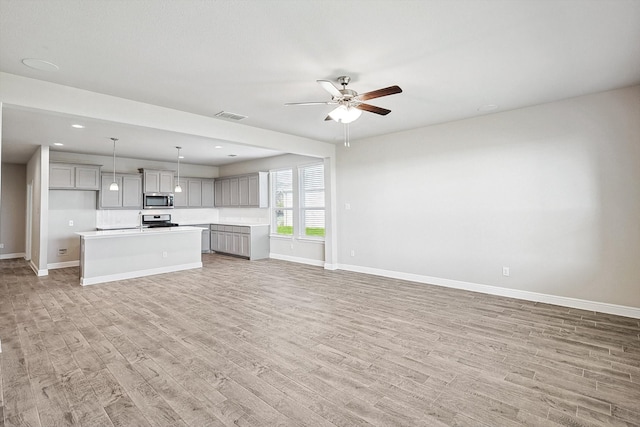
312	200
282	196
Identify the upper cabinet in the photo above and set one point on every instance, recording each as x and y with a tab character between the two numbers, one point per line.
196	193
69	176
158	181
128	196
243	191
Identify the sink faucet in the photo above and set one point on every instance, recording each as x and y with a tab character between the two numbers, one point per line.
140	220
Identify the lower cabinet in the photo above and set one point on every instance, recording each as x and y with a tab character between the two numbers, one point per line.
251	242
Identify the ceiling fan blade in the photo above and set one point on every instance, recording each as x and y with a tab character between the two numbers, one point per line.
310	103
373	109
329	87
391	90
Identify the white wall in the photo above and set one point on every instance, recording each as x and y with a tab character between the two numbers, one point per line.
64	206
550	191
13	210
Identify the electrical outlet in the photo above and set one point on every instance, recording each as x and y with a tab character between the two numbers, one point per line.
62	251
70	223
347	206
353	253
164	254
505	271
1	245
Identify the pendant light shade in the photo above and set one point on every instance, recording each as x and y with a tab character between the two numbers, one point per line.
178	188
114	184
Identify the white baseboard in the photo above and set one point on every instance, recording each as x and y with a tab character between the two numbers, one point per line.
65	264
601	307
37	271
299	260
13	256
140	273
328	266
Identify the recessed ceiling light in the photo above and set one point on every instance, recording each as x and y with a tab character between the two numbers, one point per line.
39	64
218	146
233	155
77	126
487	107
59	144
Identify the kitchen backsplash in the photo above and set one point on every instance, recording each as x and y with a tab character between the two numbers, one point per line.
130	218
112	218
244	215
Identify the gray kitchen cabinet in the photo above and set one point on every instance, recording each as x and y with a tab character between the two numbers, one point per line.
181	199
128	196
61	175
233	192
258	190
243	191
87	177
110	199
74	177
217	193
250	242
194	193
208	193
226	193
158	181
132	191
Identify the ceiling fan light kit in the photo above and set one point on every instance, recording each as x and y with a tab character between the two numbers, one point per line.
345	114
350	105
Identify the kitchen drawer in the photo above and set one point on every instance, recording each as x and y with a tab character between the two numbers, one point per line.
227	228
243	230
214	227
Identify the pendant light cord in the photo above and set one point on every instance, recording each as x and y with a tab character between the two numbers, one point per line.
114	160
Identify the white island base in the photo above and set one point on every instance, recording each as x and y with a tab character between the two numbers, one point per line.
107	256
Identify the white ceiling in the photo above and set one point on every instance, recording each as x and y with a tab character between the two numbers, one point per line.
250	57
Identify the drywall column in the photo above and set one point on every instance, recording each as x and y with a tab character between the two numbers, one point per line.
331	232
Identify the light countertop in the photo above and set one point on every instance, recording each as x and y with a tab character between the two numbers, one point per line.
136	232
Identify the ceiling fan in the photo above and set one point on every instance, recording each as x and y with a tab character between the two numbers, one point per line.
349	104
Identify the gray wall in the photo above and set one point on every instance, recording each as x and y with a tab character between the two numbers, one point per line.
64	206
550	191
38	177
13	210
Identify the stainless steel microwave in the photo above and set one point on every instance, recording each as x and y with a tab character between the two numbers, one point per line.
158	200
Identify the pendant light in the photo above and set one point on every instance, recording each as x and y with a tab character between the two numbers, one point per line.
114	184
178	189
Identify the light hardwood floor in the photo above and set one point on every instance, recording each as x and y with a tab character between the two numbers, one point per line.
268	343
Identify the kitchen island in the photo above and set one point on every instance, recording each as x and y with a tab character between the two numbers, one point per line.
111	255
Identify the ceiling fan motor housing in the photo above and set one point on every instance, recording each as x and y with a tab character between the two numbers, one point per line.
347	94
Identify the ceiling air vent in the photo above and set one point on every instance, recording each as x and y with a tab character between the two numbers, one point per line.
230	116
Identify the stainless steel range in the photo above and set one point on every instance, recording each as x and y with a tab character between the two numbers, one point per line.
155	221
